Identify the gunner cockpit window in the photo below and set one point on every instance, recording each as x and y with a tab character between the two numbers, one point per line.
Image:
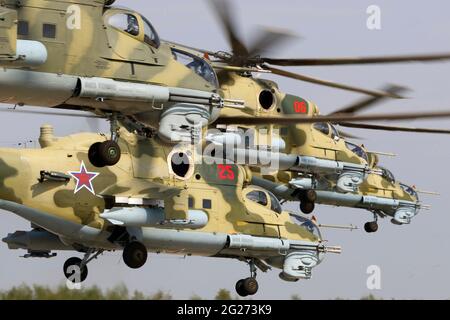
126	22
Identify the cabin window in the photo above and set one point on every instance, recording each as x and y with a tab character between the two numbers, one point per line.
22	28
150	37
49	31
125	22
258	196
207	204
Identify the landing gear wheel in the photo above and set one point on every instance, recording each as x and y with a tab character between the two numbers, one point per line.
250	286
73	272
93	155
371	227
135	255
307	207
103	154
109	153
311	196
240	288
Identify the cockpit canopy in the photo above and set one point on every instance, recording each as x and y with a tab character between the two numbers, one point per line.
265	199
409	190
327	129
136	26
388	175
198	65
359	151
307	224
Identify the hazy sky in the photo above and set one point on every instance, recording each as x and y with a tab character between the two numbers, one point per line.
414	259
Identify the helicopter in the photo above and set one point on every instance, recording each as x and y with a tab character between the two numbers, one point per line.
381	194
88	55
123	71
315	149
150	201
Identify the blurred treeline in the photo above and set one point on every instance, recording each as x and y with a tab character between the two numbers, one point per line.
120	292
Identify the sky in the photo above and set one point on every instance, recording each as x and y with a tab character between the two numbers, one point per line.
414	260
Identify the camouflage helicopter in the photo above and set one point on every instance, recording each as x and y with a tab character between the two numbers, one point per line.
150	201
322	159
90	55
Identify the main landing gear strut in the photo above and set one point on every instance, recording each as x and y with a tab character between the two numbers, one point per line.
249	286
107	153
76	270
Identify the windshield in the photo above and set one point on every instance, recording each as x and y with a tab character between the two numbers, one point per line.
258	197
387	174
274	203
150	36
322	127
198	65
357	150
126	22
334	132
409	190
307	224
129	23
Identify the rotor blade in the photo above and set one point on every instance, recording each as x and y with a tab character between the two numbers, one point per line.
223	10
300	77
334	119
355	61
347	135
391	128
52	113
369	102
172	43
268	38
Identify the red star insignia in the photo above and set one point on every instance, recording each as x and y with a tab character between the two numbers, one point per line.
84	179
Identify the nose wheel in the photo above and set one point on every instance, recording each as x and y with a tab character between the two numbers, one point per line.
249	286
76	270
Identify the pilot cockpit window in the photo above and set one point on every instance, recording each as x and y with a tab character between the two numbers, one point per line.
357	150
334	132
258	197
198	65
274	203
322	127
150	37
126	22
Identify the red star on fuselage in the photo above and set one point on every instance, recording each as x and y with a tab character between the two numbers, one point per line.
84	178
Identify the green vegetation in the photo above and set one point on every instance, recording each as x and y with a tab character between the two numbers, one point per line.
119	292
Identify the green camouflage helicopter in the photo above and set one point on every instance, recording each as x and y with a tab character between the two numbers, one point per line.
90	55
155	199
